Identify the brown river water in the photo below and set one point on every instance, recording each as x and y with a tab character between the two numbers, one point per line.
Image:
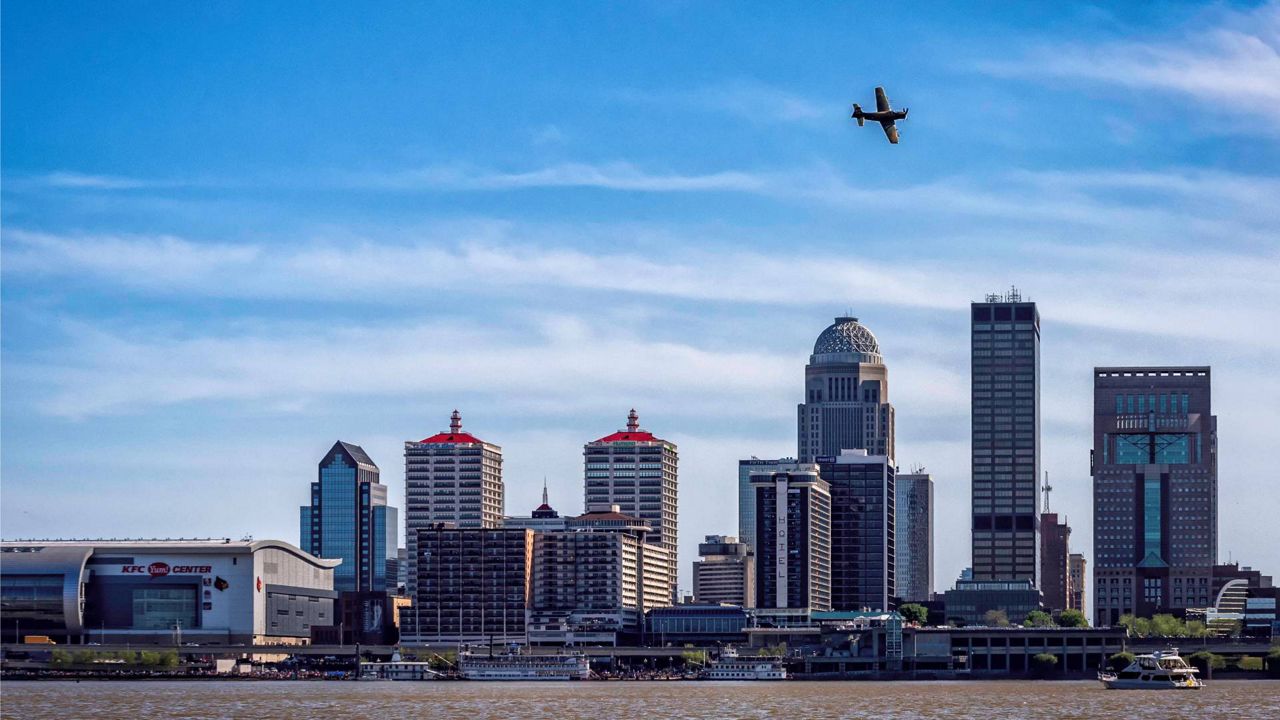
979	700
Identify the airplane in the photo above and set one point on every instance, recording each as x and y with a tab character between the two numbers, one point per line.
884	115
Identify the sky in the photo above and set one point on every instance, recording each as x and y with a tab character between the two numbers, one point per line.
233	233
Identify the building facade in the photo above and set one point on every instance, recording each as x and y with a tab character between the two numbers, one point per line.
1005	427
846	395
450	477
599	574
970	600
473	584
863	519
793	510
725	572
348	519
165	592
913	536
1077	568
1155	491
747	496
637	471
1055	562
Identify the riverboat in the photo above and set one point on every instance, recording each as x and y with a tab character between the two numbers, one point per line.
513	666
398	670
1161	670
732	666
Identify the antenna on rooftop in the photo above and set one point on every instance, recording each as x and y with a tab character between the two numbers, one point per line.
1046	489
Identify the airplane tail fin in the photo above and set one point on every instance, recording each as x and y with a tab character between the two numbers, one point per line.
857	113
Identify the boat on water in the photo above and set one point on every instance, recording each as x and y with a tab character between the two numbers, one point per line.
398	670
515	666
1161	670
732	666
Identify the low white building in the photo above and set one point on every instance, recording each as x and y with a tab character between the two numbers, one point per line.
211	592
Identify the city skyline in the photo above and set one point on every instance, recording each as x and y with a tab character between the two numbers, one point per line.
198	260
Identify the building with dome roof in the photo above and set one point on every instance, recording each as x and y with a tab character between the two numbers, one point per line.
846	395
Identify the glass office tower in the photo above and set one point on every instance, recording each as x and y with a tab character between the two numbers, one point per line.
348	520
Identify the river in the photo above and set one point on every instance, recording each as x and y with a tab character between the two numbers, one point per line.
977	700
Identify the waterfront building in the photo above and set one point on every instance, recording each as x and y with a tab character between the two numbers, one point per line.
863	553
636	471
793	510
846	395
165	592
970	601
1005	426
1055	569
913	536
450	477
1244	599
725	574
473	584
747	496
348	519
1155	491
699	623
1077	568
598	574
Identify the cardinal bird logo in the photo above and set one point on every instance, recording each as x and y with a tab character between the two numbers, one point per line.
221	584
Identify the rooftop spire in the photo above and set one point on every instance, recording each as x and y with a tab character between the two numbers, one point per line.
544	490
455	422
633	421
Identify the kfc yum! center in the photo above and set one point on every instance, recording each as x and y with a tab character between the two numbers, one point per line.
210	592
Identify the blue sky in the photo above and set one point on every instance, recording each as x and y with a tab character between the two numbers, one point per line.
235	233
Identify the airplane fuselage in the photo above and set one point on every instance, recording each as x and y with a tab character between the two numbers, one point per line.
882	116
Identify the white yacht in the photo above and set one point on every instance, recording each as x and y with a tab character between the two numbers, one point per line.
512	666
1161	670
732	666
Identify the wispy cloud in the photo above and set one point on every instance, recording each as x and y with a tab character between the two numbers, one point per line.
746	99
609	176
1232	66
83	181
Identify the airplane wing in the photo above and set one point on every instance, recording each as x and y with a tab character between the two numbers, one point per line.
890	131
882	100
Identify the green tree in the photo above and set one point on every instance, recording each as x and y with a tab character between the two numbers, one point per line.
1249	663
1273	662
914	613
1197	629
1043	665
168	659
1119	661
996	618
1038	618
1164	625
779	650
693	656
1204	660
1137	627
60	658
1073	619
83	657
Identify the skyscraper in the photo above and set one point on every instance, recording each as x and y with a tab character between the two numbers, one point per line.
747	496
636	471
1076	568
1055	568
472	584
913	536
725	572
450	477
1005	464
846	395
348	520
1155	490
793	510
863	557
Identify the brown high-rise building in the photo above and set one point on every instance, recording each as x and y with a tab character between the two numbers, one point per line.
1055	552
1155	491
1076	571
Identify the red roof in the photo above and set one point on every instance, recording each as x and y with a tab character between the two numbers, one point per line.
624	436
445	437
543	507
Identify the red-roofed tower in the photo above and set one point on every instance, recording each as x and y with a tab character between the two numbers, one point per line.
450	477
636	471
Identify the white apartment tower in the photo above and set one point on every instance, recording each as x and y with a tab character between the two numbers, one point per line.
637	472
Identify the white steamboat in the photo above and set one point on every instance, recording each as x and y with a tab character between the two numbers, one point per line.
512	666
732	666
